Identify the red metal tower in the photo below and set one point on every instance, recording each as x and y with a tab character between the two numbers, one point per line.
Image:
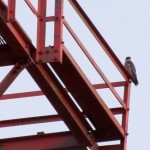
16	49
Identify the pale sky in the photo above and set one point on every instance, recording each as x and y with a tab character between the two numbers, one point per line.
125	26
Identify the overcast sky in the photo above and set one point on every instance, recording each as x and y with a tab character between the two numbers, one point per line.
125	26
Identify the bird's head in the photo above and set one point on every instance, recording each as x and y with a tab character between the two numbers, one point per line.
128	58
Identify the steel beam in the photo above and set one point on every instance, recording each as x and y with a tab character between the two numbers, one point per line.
118	111
58	29
97	68
31	7
107	127
43	119
61	102
50	53
11	10
40	93
89	101
114	84
109	147
12	75
15	36
126	114
52	141
31	120
41	56
7	56
21	95
99	38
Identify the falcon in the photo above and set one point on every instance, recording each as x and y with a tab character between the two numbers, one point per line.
130	68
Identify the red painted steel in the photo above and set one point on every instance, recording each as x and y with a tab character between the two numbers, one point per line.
40	93
31	120
31	7
90	102
41	55
12	75
16	48
7	57
58	29
15	32
114	84
11	10
99	38
52	141
62	102
21	95
50	53
111	147
50	19
95	64
126	115
118	111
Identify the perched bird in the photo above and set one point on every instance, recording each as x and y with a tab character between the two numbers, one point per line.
129	66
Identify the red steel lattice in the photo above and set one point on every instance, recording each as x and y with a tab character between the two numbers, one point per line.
16	49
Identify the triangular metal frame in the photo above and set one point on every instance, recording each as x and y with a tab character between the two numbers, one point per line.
19	50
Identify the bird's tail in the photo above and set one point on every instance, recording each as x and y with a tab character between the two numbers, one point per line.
135	81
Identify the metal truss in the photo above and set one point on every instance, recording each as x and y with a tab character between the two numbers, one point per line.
16	49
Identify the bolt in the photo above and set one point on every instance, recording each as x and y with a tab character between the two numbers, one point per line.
40	53
14	72
62	42
39	61
55	50
55	59
10	11
47	52
27	46
40	18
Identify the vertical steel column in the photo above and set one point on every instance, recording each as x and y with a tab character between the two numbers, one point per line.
126	114
58	29
11	10
41	31
49	54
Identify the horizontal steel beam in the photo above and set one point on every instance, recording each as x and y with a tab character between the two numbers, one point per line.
31	120
40	93
111	147
114	84
21	95
44	119
52	141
